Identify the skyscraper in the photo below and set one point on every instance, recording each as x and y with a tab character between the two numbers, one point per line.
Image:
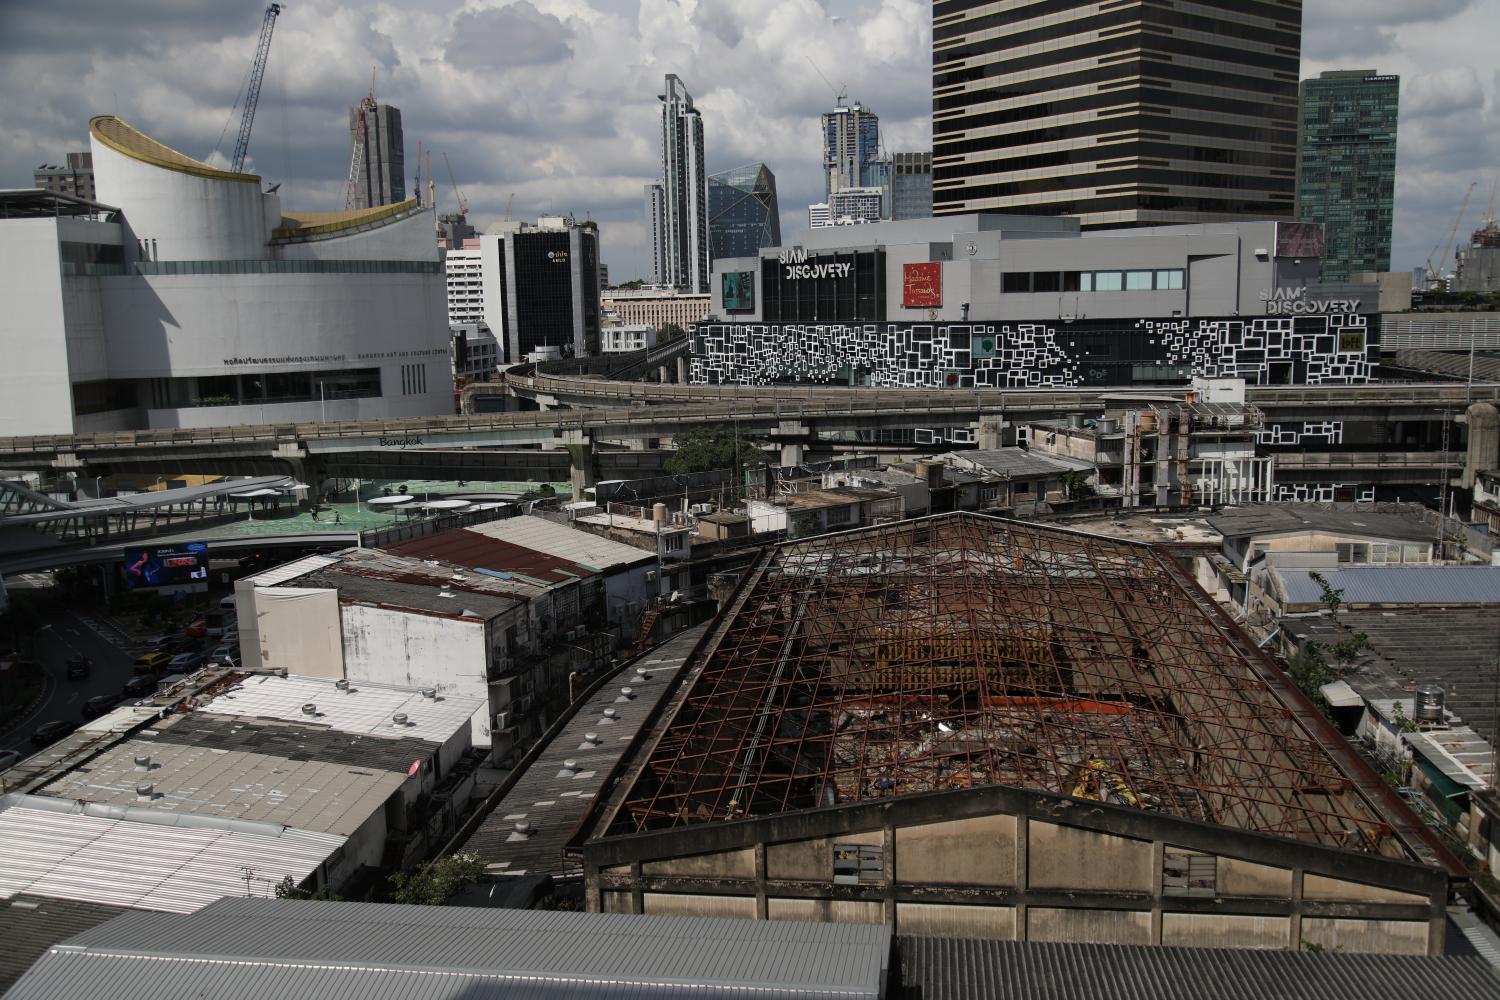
742	212
1121	113
1346	177
680	226
906	186
851	148
380	177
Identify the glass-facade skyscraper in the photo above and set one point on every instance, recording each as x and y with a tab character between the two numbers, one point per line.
1346	175
851	148
742	213
677	207
1119	112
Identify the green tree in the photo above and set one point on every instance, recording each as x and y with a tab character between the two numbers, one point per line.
707	448
670	332
1310	671
1331	598
287	889
434	884
1346	651
1076	485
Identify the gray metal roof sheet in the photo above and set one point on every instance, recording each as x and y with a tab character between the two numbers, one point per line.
1021	462
1397	584
1402	522
29	925
369	951
948	969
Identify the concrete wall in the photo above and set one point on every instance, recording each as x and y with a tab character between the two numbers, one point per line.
406	239
34	380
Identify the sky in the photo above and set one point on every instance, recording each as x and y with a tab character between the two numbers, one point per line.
554	101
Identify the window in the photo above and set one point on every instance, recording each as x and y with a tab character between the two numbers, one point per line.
1171	280
840	515
859	864
1353	553
1188	873
1413	553
1023	489
1016	281
1108	281
1086	281
1070	281
1137	281
1046	281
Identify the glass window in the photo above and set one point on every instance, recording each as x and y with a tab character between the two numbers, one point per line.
1168	279
1016	281
1413	554
1138	281
1108	281
1070	281
1086	281
1345	553
1360	553
1046	281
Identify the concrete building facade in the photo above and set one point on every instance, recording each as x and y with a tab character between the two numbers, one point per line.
74	176
677	206
657	307
381	178
1119	114
196	299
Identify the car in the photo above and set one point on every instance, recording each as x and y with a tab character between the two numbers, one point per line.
9	759
51	732
138	687
197	628
185	663
150	663
227	603
157	641
100	704
225	649
79	666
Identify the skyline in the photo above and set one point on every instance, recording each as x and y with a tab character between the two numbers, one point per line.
532	96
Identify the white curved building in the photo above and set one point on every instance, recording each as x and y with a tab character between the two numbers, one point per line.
188	296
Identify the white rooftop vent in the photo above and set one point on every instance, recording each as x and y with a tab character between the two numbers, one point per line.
342	684
143	762
145	790
429	693
627	692
399	718
523	828
610	713
470	613
310	708
570	764
643	673
591	738
280	672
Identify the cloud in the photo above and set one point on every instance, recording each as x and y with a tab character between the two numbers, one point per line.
1448	91
502	37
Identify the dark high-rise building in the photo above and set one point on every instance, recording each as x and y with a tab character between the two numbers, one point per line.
906	186
742	212
546	279
76	177
1346	176
1122	113
380	177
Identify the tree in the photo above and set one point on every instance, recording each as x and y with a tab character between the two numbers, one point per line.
1346	651
287	889
1331	599
1076	485
708	448
438	881
1310	671
670	332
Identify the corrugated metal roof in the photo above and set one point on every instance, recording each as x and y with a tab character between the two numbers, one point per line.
563	542
290	571
1397	584
368	951
1403	523
467	547
296	741
29	925
120	861
1020	462
947	969
363	708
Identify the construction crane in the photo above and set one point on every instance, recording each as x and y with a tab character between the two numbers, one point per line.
367	107
463	203
841	94
252	94
1435	274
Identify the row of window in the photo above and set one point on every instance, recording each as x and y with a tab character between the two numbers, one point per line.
265	387
1168	279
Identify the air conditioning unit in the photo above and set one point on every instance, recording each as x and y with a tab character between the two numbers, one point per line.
650	576
502	721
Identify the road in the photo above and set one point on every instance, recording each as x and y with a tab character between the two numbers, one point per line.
65	635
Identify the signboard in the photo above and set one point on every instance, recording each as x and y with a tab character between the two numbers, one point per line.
1299	239
796	267
737	289
1294	302
922	285
180	565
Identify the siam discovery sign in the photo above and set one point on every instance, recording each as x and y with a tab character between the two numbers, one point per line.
795	263
1294	302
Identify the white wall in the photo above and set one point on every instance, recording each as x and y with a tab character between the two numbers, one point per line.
403	649
189	217
34	383
407	239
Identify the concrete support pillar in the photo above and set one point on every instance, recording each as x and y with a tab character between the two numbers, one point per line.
1484	442
990	433
793	438
583	466
792	453
682	370
662	376
637	444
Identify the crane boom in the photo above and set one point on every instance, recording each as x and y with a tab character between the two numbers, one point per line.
252	93
463	203
1453	233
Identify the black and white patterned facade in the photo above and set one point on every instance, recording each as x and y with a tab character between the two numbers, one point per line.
1308	350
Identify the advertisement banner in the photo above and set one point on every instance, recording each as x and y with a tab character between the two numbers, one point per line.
738	291
179	565
1299	239
922	285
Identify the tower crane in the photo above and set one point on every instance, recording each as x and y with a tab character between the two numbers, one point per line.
1436	274
252	93
367	107
463	203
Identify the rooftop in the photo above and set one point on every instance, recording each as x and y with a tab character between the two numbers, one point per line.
962	650
130	141
1403	656
145	858
552	798
467	547
1395	585
371	951
560	541
372	576
29	925
198	780
1402	522
1019	463
362	708
35	203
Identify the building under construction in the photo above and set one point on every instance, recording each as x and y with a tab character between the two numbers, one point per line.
972	727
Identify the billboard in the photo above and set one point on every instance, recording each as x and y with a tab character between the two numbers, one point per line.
1299	239
922	285
181	565
738	290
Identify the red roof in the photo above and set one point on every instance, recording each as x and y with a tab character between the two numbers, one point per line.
463	547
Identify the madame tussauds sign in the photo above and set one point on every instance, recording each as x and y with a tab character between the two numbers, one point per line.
795	265
1294	302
